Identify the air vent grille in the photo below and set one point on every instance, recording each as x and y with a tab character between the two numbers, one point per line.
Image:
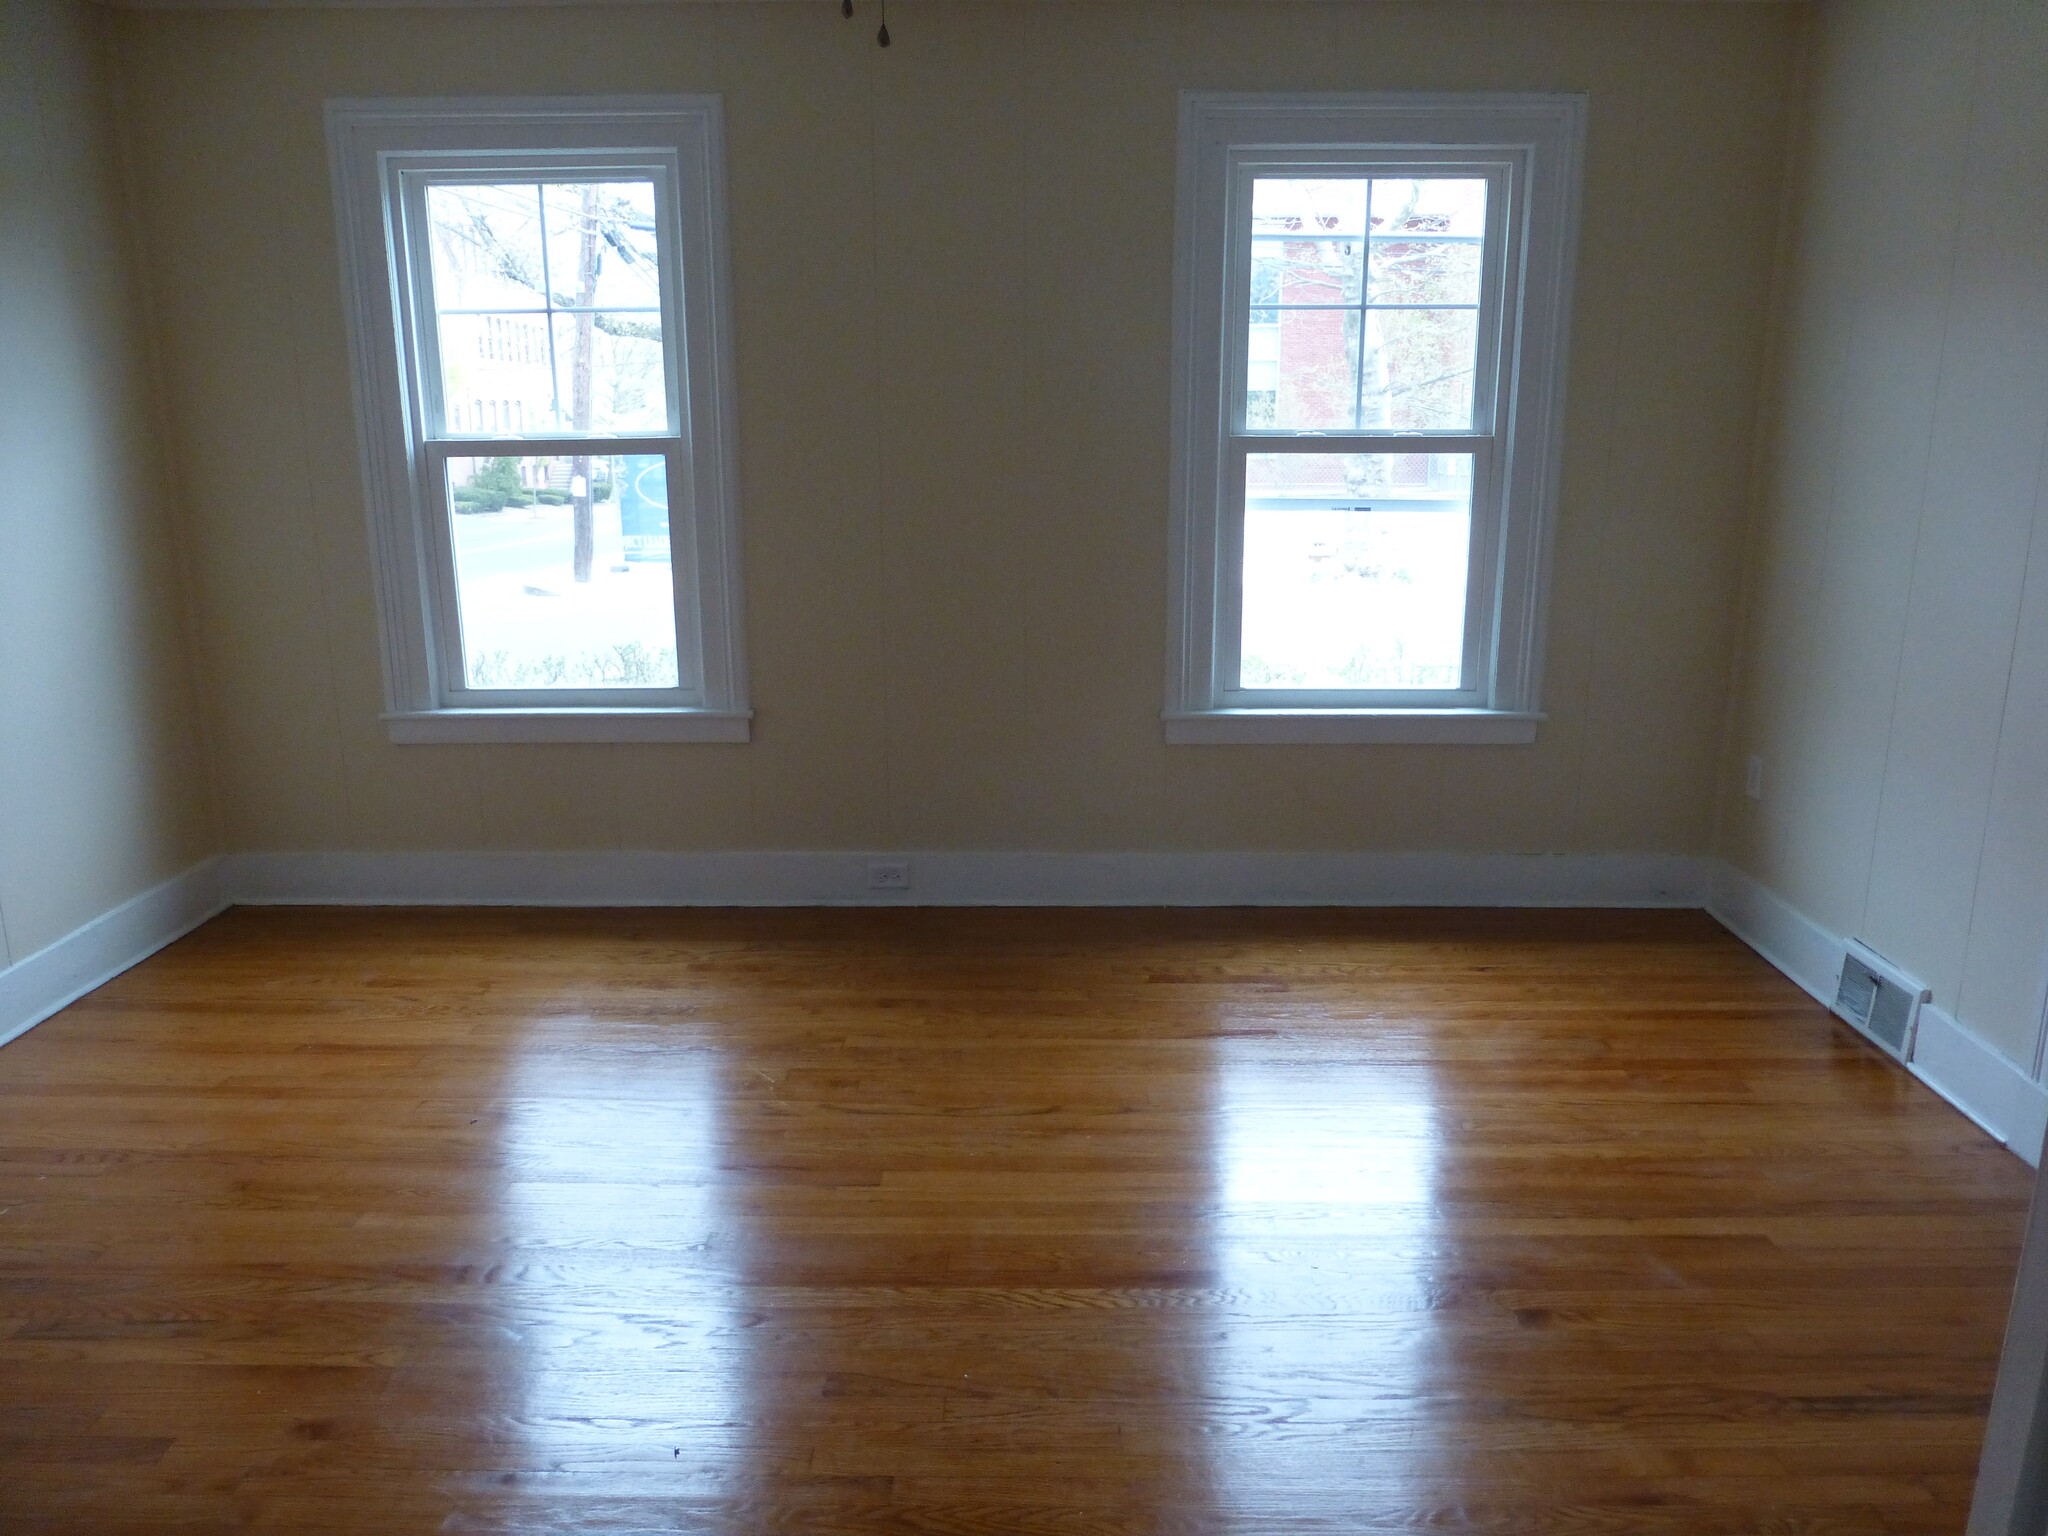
1879	1000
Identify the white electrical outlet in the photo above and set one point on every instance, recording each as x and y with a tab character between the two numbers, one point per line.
888	874
1753	779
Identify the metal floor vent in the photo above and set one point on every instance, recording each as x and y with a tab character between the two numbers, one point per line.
1880	1000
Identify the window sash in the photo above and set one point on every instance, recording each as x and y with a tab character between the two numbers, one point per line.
1480	439
421	317
452	660
1363	164
1481	558
435	442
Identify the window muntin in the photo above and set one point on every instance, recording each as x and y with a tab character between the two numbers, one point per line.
540	330
1362	528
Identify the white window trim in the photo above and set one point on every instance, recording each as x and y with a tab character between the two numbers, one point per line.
1540	138
369	142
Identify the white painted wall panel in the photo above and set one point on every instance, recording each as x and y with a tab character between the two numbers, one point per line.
1887	679
102	782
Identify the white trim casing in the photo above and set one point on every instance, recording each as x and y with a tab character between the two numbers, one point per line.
484	725
373	146
1531	146
1975	1076
1023	879
1252	727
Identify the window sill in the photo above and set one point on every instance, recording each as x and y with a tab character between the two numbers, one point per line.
1251	727
488	725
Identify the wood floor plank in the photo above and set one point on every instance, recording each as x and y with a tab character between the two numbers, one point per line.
1103	1223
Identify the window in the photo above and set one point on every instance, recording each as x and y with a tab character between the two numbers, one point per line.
537	307
1369	327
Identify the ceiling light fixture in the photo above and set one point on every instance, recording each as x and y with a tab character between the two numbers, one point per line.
882	32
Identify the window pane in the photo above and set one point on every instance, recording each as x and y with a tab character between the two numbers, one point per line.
527	621
1302	370
1283	205
1425	272
608	371
1419	366
495	374
486	246
1443	205
1262	369
1355	570
601	246
1307	271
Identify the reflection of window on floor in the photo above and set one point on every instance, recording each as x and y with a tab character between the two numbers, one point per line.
1326	1180
626	1191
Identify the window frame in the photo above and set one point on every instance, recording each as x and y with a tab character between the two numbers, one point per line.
384	155
1530	148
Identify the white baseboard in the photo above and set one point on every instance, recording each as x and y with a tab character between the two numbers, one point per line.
969	879
1980	1080
1777	930
38	985
1948	1056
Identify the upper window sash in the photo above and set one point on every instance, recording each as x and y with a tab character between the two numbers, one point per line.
1364	163
420	313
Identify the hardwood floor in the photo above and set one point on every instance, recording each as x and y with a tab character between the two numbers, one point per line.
1048	1223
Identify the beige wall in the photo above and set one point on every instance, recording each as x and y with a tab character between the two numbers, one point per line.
953	330
102	783
1896	657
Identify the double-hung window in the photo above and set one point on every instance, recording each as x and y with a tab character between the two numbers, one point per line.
1371	302
538	311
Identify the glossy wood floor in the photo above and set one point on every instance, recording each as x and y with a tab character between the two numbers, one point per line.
1018	1223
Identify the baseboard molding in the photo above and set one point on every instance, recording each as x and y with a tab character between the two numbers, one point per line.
1980	1080
57	975
1793	942
968	879
1948	1056
41	984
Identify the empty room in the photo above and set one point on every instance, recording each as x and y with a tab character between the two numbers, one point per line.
1032	768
